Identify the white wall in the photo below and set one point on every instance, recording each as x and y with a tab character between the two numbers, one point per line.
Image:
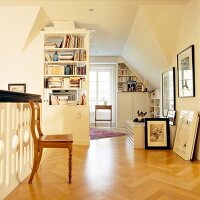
189	34
19	65
143	51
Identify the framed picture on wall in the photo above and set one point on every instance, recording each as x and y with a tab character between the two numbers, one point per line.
17	87
186	73
157	134
168	91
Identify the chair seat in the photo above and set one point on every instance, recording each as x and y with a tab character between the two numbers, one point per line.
57	138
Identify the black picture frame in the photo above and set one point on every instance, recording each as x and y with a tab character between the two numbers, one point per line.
168	91
17	87
157	135
186	72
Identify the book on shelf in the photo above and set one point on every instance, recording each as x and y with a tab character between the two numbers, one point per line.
81	70
55	70
50	45
75	81
66	82
48	57
73	41
66	56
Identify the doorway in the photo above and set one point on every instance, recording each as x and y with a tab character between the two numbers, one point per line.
102	90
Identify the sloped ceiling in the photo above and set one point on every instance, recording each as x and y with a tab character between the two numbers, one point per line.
165	21
40	20
144	32
151	45
143	50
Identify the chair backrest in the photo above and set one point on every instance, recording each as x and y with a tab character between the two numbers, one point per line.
35	120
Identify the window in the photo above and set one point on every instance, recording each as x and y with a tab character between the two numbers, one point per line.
100	86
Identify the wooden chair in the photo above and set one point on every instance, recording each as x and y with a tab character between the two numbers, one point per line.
46	141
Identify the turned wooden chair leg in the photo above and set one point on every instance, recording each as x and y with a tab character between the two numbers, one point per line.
39	159
35	164
70	165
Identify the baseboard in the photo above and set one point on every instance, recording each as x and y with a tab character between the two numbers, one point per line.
8	190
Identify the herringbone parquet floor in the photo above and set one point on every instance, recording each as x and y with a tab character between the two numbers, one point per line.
110	170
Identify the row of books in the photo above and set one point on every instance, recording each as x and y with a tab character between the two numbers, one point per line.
73	41
60	82
125	79
125	72
65	70
78	55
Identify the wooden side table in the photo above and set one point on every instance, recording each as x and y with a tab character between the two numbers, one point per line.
103	107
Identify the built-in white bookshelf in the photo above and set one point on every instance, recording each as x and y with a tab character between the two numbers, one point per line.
66	67
154	104
125	77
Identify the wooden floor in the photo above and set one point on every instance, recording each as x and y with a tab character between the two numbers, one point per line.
110	170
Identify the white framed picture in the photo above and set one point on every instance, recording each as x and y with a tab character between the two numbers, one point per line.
186	134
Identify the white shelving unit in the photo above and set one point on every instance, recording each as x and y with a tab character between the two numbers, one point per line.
72	49
124	75
154	104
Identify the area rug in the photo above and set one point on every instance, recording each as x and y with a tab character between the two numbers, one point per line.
96	133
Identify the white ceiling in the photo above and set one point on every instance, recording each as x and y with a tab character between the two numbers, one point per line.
112	20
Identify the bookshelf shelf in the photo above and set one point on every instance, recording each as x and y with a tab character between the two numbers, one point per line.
64	62
62	49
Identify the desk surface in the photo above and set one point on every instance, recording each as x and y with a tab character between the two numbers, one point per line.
103	107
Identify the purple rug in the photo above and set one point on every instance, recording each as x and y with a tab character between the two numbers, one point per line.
96	133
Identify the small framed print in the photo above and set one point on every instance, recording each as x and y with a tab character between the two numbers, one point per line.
171	114
186	73
157	134
17	87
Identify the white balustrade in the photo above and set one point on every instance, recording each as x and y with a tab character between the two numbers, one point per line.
16	145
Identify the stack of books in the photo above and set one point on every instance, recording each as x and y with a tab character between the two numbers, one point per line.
55	82
75	82
66	56
50	45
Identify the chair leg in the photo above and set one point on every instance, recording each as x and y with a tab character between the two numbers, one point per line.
39	159
35	164
70	165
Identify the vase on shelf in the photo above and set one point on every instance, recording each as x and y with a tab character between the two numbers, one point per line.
55	56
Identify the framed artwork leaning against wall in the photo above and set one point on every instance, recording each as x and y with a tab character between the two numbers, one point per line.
157	134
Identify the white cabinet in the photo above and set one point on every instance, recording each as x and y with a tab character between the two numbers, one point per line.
154	107
128	103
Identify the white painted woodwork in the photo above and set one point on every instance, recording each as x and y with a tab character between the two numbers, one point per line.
64	119
136	134
128	103
15	145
